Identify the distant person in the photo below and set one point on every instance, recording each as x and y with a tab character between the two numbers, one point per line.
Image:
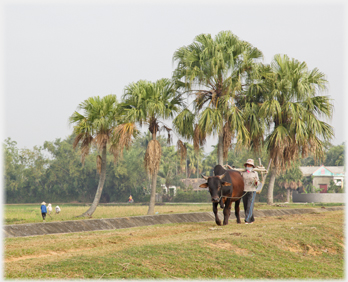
57	209
130	199
49	208
43	210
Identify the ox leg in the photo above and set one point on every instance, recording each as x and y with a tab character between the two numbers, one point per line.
215	210
227	211
222	202
236	210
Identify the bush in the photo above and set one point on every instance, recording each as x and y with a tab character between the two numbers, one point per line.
167	198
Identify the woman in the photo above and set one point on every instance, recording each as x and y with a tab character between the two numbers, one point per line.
251	180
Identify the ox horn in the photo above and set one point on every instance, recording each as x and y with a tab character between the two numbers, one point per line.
221	176
205	177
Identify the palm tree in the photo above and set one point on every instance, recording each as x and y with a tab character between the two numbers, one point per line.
292	112
147	103
215	71
97	126
250	102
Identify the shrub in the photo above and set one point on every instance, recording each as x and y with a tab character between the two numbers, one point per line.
192	196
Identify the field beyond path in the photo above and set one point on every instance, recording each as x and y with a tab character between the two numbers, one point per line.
285	247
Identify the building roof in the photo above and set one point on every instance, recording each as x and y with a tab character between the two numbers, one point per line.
322	170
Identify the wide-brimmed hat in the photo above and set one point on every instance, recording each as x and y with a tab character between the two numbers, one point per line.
249	162
43	203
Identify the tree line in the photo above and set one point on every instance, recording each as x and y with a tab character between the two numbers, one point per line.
221	87
54	172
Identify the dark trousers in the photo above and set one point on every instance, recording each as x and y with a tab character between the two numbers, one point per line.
43	215
248	209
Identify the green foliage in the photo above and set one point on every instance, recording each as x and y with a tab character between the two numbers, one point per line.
215	70
54	173
333	188
293	109
191	196
24	172
335	156
307	182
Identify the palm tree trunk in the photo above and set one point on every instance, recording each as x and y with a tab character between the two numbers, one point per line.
97	196
151	210
220	148
271	186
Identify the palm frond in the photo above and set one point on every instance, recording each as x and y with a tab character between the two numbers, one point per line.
122	138
199	138
183	123
182	151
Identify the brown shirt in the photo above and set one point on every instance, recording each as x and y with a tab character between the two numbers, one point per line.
251	180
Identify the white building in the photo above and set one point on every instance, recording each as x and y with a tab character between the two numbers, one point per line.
171	190
322	175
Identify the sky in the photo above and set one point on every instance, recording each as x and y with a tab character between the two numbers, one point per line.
57	54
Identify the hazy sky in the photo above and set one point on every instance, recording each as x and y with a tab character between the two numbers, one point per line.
56	55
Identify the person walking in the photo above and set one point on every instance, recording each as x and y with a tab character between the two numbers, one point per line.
49	208
43	210
251	180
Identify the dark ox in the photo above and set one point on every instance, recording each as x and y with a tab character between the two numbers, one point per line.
226	187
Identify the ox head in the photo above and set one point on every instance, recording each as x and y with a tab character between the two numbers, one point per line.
214	183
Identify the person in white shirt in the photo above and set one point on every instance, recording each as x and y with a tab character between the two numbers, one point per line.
49	209
57	209
251	180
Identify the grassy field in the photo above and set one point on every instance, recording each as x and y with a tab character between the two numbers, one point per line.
30	213
307	246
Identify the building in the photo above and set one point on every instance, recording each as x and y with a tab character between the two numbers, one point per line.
171	190
322	175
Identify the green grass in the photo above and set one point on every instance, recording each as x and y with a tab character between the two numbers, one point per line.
30	213
307	246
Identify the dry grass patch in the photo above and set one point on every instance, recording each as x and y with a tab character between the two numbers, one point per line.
229	247
304	249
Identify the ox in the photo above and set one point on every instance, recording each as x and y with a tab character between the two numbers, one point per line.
226	187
